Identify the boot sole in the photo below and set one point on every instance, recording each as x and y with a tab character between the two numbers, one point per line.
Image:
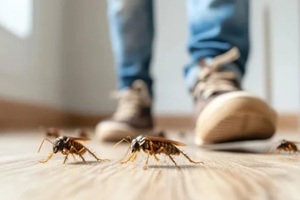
236	116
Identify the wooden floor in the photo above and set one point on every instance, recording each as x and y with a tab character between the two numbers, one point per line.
252	172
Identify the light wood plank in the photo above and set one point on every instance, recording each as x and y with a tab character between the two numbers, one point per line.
225	175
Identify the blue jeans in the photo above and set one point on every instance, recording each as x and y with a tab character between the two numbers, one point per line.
215	27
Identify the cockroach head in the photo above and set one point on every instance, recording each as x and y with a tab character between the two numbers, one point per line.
59	143
137	143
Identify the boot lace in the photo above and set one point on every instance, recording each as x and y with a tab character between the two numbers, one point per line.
213	79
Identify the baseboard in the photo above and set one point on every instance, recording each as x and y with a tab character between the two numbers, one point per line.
288	121
20	115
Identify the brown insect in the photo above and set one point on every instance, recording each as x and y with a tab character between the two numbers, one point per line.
82	133
69	145
51	132
152	146
55	132
159	133
289	146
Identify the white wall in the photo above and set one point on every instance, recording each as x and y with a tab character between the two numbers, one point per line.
170	57
88	62
285	54
31	67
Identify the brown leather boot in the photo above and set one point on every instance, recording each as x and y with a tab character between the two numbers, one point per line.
225	113
132	116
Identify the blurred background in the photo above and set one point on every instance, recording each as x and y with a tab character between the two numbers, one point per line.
57	68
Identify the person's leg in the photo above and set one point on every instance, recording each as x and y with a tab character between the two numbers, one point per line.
215	27
131	28
218	45
132	31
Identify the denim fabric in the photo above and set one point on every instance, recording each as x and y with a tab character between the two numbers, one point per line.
215	27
